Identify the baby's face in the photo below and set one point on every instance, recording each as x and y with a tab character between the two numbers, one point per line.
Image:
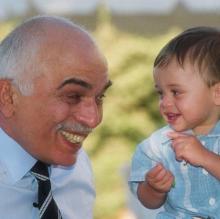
185	101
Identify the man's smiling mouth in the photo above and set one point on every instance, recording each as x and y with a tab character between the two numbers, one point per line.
73	138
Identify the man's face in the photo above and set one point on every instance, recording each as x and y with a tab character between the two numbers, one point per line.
65	106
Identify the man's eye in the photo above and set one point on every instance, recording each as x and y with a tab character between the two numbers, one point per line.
100	99
75	98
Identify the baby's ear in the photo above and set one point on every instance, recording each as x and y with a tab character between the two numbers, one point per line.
216	89
6	98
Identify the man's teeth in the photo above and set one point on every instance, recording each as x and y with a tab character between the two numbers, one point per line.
73	138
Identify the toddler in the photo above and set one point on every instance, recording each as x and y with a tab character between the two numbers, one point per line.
178	166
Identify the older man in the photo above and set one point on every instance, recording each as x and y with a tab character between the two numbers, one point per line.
52	82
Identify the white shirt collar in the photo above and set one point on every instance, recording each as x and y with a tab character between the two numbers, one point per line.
14	159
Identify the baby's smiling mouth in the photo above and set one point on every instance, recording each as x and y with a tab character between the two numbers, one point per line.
171	117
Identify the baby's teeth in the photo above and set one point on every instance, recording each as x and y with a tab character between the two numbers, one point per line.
72	138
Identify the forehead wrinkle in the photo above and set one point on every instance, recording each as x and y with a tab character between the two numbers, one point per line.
75	81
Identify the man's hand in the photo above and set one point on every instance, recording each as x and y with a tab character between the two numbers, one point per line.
160	179
188	148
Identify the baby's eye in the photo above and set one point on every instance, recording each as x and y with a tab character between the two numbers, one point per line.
175	92
159	93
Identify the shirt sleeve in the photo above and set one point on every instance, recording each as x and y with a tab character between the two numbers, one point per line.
141	164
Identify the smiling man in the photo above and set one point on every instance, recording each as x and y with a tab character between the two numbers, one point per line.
52	83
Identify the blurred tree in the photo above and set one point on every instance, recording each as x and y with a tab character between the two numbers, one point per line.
131	109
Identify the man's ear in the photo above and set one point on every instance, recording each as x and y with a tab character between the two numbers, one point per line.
6	98
216	89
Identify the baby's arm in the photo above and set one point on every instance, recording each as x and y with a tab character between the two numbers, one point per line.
187	147
211	164
153	191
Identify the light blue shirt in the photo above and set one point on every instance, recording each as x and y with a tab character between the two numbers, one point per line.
72	187
196	192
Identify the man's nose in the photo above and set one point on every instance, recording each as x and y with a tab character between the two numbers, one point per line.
89	113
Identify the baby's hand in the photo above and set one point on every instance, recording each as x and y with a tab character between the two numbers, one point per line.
188	148
160	179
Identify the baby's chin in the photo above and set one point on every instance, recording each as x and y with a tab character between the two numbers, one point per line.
181	130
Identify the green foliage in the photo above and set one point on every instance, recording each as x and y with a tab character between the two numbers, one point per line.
130	112
109	179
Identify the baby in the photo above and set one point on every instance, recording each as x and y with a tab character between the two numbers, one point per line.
178	166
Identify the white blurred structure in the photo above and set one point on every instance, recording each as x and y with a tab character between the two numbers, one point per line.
161	6
211	6
81	7
9	8
141	6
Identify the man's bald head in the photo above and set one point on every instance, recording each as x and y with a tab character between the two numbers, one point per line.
26	51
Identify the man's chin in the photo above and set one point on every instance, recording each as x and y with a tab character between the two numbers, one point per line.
65	161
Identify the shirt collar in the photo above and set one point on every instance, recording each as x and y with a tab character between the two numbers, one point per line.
17	162
215	130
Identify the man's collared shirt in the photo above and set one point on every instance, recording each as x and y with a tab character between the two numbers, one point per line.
196	192
72	187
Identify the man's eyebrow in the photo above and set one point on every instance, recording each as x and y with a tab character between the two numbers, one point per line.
108	84
76	81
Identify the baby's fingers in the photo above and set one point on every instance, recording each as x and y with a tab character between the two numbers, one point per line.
162	181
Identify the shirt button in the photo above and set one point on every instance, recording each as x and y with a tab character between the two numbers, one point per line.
184	164
211	201
204	172
203	142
